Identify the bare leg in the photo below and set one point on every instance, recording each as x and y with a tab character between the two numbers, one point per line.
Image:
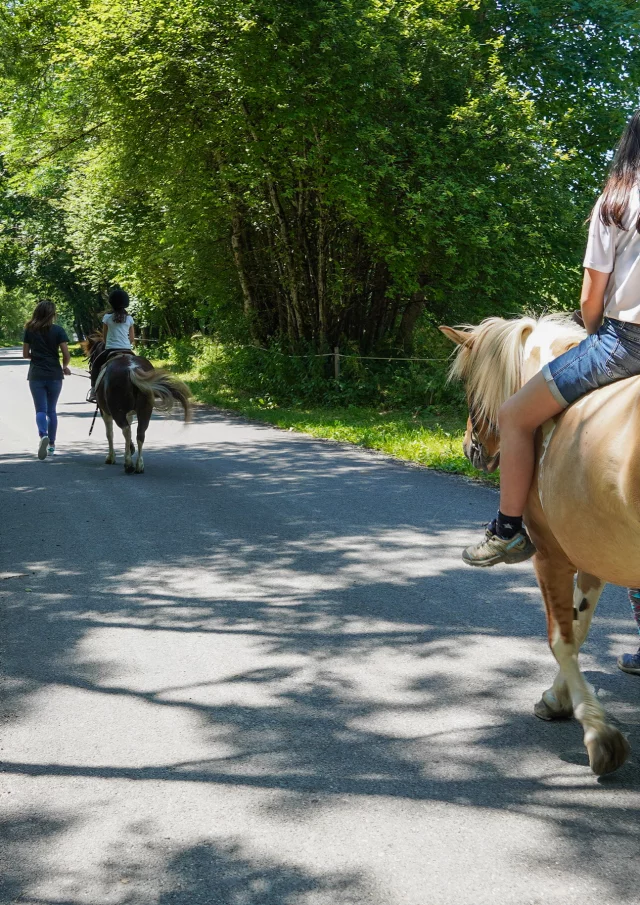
111	455
519	419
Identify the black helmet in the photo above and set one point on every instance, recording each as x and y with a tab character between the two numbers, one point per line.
118	299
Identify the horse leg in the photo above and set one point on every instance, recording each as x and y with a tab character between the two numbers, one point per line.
128	446
555	703
607	747
144	417
108	424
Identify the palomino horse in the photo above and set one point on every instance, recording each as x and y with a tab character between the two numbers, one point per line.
131	387
583	509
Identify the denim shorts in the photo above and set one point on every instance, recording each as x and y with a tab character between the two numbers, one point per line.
602	358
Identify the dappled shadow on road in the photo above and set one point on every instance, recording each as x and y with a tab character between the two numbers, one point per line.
327	647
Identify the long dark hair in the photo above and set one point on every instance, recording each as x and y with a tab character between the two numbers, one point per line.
625	173
43	316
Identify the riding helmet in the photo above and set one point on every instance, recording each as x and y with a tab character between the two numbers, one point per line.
118	299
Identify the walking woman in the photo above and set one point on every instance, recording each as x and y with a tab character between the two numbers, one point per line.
43	340
610	306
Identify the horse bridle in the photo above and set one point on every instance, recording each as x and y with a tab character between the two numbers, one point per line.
476	443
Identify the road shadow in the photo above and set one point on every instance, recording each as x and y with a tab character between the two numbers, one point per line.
322	564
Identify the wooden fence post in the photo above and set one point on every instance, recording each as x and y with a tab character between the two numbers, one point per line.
336	362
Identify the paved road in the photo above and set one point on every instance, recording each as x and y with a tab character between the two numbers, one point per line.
260	675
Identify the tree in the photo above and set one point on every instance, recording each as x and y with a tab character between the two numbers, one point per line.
321	170
35	257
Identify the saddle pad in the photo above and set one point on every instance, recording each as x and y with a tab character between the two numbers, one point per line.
108	362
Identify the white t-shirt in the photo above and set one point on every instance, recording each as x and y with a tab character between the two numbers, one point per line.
117	334
617	251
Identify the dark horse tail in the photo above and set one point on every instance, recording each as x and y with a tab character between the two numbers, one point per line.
164	389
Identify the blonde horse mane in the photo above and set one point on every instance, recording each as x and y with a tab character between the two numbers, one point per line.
490	362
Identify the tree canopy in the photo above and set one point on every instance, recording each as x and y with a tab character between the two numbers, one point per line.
310	170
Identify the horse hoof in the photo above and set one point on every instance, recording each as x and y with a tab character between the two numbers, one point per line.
544	711
129	469
139	470
110	461
608	749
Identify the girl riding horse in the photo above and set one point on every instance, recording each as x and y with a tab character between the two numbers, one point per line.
610	307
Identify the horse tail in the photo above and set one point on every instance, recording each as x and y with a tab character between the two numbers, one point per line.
165	389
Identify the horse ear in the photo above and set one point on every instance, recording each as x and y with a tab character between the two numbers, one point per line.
459	337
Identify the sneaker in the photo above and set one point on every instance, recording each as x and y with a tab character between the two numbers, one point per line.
494	549
51	450
42	447
91	395
630	663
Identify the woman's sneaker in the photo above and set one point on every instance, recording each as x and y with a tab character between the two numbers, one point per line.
51	450
630	663
42	447
494	549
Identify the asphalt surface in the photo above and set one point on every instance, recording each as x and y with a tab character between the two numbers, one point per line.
259	674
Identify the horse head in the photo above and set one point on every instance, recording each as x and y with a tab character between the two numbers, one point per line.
93	345
493	360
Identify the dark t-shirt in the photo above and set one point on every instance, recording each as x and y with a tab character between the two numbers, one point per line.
45	358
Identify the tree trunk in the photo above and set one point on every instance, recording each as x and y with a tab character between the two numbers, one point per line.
289	263
238	256
409	320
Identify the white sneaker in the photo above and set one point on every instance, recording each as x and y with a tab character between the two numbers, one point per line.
51	450
42	448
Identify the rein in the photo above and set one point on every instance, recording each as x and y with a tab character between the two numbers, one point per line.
476	442
95	415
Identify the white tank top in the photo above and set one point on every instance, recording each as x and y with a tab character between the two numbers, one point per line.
617	251
117	334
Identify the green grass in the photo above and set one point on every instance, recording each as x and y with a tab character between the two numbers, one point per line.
431	437
77	357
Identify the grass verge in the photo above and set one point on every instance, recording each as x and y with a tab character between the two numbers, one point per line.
431	437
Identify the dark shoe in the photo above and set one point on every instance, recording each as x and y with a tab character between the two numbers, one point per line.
494	549
91	395
630	663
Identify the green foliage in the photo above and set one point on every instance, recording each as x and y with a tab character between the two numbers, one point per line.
316	171
272	378
15	309
35	256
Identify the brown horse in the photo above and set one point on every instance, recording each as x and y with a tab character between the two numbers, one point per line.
583	509
130	387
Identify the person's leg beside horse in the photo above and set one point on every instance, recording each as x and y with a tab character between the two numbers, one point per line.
518	420
96	367
53	389
631	662
39	394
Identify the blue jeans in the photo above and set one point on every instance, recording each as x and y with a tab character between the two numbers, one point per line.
45	396
602	358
